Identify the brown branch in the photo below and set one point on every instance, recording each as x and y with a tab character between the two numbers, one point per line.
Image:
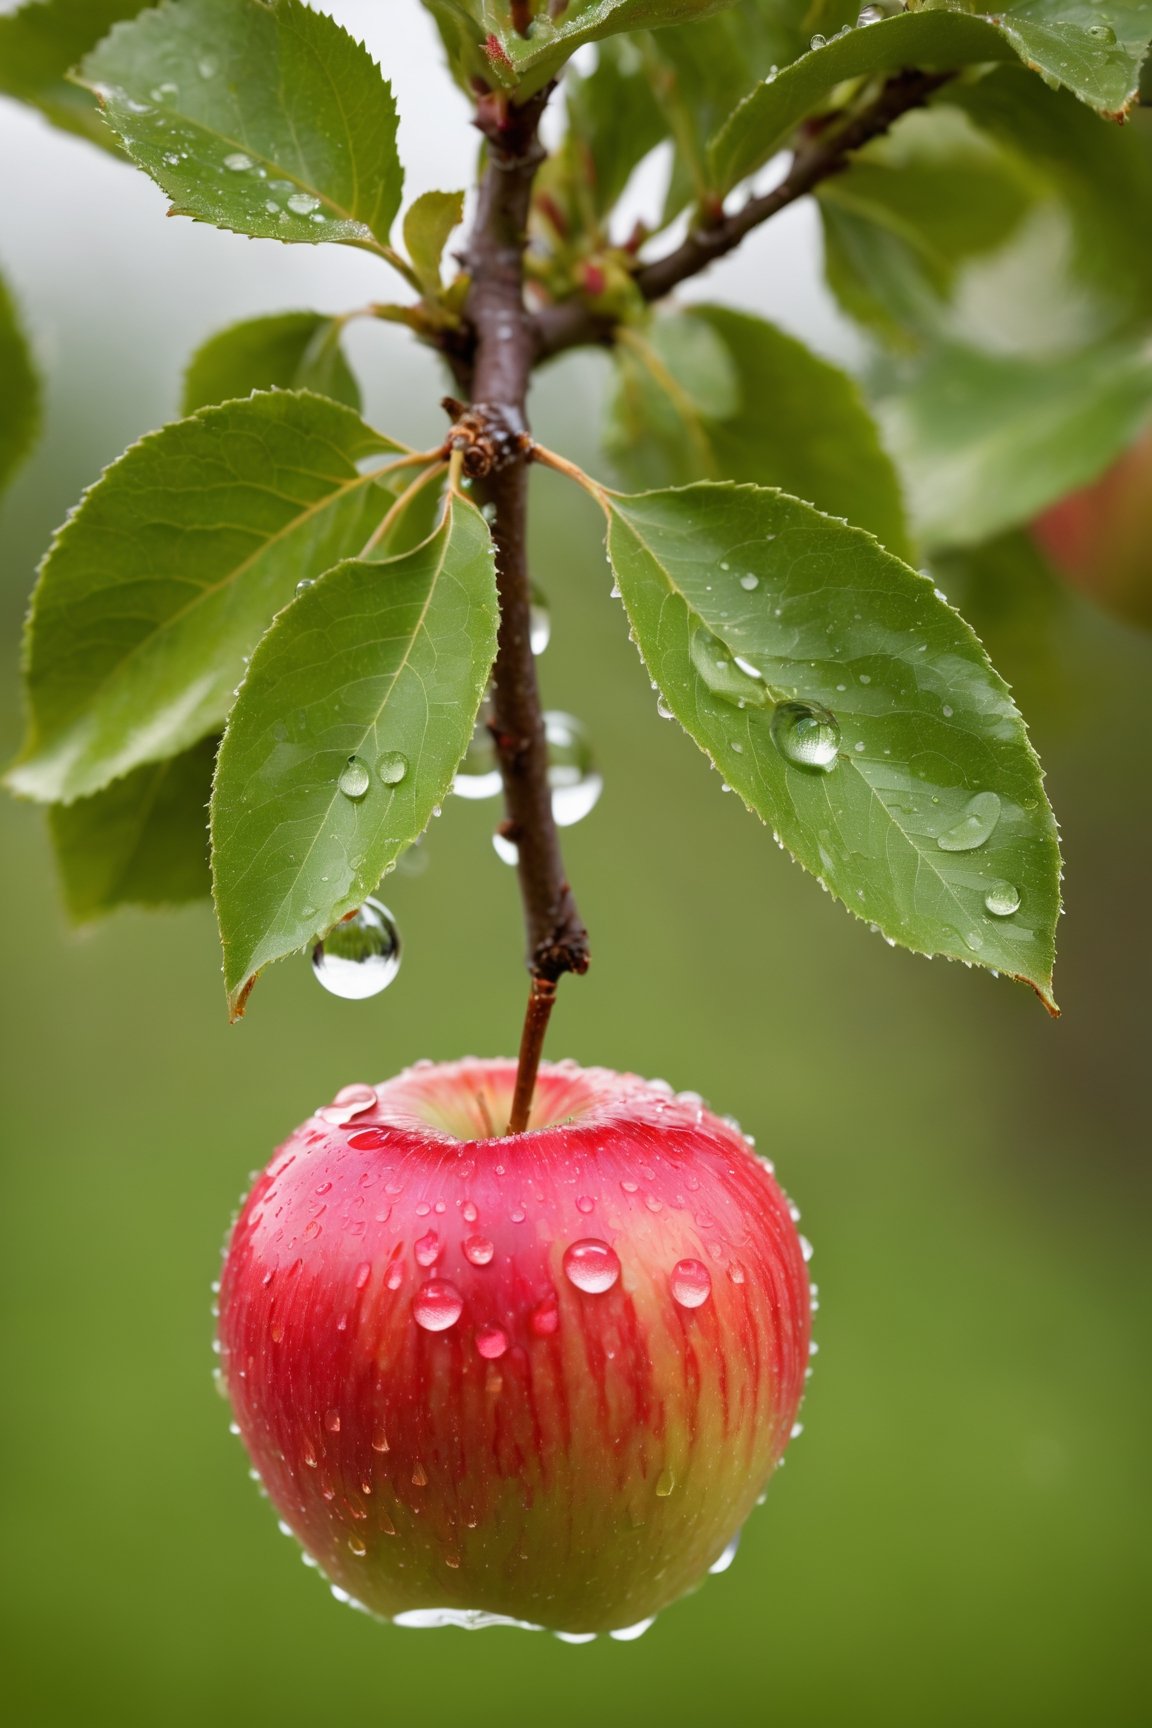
496	378
571	324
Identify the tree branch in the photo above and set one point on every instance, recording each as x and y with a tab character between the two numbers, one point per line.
496	378
572	324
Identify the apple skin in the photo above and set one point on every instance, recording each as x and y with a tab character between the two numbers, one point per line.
573	1458
1100	537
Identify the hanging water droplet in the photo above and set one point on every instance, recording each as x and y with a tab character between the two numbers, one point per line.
691	1283
1002	899
723	1561
478	775
806	735
663	709
591	1265
980	817
238	162
491	1342
354	778
437	1305
539	622
576	785
392	767
626	1634
303	203
727	676
361	956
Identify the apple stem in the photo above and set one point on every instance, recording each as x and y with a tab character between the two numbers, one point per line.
493	370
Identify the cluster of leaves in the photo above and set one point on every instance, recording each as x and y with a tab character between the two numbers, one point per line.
272	569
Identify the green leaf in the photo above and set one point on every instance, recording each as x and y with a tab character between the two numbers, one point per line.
985	441
741	599
143	841
41	42
386	663
427	226
286	351
710	393
261	116
168	572
481	41
20	391
765	120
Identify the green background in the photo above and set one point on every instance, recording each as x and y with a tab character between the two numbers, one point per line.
961	1533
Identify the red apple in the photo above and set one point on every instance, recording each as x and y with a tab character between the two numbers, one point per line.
1100	537
543	1376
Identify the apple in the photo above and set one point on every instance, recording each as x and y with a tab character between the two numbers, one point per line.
541	1377
1100	537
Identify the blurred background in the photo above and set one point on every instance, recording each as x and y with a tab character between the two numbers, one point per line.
962	1531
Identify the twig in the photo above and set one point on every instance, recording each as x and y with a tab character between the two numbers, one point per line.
572	324
497	384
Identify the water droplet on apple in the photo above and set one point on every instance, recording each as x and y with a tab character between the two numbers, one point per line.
691	1283
591	1265
491	1342
546	1317
626	1634
806	735
724	1560
437	1305
361	956
332	1421
980	817
665	1483
379	1440
427	1249
585	1203
478	1251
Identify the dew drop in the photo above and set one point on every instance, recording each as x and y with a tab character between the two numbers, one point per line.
749	582
332	1421
478	1251
980	817
1002	899
665	1483
349	1102
818	41
727	676
539	622
1102	33
302	203
354	778
572	775
392	767
591	1265
427	1249
379	1440
806	735
437	1305
363	1273
585	1203
491	1342
724	1560
358	1546
478	775
626	1634
361	956
691	1283
546	1317
238	162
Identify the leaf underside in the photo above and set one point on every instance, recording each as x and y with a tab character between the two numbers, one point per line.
382	663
